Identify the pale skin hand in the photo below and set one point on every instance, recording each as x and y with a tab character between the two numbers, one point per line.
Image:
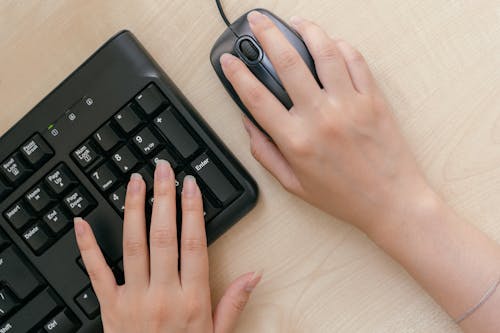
156	297
340	149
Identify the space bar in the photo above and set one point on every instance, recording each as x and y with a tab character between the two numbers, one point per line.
31	314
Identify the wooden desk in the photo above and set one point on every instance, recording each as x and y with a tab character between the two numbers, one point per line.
439	65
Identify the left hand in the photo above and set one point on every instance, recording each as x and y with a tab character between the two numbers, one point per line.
156	296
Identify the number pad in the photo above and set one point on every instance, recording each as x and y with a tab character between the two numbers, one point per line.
104	177
117	199
106	137
148	129
85	155
125	159
146	141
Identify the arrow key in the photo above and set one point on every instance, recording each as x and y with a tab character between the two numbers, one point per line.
87	300
7	302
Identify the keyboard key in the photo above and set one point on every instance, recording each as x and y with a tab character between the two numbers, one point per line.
209	210
36	150
104	177
4	241
146	141
57	220
19	215
4	190
165	155
106	137
13	169
38	198
7	302
176	133
36	238
147	175
85	155
78	201
60	323
16	275
81	264
60	179
214	178
151	99
31	314
127	119
179	181
124	159
87	300
117	199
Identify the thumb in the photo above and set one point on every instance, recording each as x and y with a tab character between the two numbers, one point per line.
233	302
271	158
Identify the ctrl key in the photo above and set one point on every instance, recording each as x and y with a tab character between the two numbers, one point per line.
61	323
87	300
31	314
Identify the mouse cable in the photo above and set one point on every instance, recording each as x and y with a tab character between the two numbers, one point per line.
221	12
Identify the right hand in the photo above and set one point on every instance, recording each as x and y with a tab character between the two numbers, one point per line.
339	148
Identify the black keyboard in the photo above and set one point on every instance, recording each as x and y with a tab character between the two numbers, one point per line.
72	155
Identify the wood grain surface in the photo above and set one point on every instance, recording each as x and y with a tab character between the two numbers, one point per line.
437	61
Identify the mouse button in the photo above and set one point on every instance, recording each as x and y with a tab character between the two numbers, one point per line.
224	44
274	86
240	27
266	62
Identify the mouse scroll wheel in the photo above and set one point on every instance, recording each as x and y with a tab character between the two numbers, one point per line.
249	50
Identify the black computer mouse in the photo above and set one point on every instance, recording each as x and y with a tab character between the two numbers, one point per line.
239	41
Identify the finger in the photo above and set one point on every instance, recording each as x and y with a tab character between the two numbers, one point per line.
271	158
194	254
328	59
291	68
163	233
234	301
360	73
264	106
102	278
135	250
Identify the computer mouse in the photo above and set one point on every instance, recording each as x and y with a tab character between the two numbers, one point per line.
239	41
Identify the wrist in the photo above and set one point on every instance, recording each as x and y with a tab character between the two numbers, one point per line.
405	214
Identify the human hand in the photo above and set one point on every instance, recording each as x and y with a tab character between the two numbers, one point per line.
339	147
156	296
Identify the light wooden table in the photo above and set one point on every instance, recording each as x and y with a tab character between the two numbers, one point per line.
438	61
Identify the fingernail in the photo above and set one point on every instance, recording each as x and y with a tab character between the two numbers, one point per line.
253	281
296	20
162	169
226	59
135	182
254	17
189	186
79	227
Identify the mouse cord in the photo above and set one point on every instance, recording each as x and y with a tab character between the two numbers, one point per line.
221	12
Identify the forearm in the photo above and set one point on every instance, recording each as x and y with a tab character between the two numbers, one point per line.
452	260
